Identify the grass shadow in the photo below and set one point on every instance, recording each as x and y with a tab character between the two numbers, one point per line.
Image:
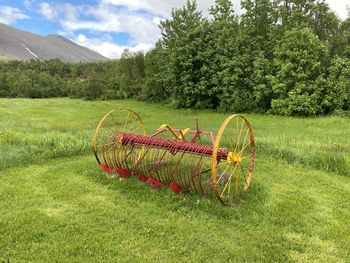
136	192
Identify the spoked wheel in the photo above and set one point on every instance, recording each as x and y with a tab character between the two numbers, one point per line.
233	158
109	131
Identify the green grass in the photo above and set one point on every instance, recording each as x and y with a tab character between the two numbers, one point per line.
57	206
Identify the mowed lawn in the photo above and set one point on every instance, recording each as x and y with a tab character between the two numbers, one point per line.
56	205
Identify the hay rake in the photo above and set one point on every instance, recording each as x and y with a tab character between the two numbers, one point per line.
183	159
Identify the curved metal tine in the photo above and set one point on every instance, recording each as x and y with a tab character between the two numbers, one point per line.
176	170
158	156
131	158
199	157
105	151
164	165
153	173
170	171
143	155
120	152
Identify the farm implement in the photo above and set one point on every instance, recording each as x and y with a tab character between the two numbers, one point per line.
181	159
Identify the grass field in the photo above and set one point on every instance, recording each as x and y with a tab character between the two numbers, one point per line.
56	205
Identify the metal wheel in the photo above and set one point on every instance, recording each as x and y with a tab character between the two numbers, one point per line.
233	175
109	131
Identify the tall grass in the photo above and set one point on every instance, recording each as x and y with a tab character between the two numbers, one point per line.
34	130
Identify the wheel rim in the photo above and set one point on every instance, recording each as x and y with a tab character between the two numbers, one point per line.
233	175
115	122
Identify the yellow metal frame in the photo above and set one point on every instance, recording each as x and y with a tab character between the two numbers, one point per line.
173	132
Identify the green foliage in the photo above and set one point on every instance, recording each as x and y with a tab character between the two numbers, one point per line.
183	38
132	72
284	56
338	91
341	41
219	76
31	84
4	85
299	84
155	85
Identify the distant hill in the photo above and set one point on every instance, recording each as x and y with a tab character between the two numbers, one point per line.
22	45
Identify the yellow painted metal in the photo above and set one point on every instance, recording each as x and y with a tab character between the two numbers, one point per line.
173	132
226	175
234	158
96	133
185	131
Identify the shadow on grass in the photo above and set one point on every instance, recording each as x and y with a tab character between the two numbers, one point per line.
139	193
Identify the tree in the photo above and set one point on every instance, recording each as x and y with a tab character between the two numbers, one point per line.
4	85
220	54
247	85
338	92
299	83
132	72
184	43
341	42
155	87
314	14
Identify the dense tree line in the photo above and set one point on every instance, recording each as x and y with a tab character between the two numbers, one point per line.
289	57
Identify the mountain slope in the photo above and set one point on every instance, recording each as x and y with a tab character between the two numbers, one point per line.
22	45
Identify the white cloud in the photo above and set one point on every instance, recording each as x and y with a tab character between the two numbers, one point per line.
339	7
157	7
27	3
107	48
141	29
138	18
48	11
101	26
9	15
106	19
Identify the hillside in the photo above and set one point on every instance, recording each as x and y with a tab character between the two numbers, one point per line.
22	45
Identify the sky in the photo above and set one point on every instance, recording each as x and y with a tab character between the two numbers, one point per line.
106	26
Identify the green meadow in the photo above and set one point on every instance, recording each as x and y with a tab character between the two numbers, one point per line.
56	205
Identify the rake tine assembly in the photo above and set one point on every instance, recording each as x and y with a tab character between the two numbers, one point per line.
224	167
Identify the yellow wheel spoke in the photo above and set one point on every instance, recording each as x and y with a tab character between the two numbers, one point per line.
126	121
223	173
233	170
223	190
239	137
132	124
237	183
245	157
245	139
231	144
134	130
232	135
245	147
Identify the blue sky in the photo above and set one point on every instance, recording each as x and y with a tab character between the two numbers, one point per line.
106	26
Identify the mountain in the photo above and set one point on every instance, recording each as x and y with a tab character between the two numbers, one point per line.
22	45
